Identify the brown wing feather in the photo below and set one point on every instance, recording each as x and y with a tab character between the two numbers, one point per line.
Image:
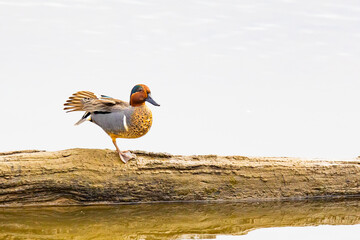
105	105
74	103
87	101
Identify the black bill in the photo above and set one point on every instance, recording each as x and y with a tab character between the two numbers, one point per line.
150	100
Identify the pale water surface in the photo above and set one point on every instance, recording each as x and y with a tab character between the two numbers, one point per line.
248	77
288	71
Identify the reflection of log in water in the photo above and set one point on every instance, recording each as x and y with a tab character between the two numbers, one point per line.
164	221
91	176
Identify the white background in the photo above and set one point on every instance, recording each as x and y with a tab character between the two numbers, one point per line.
258	78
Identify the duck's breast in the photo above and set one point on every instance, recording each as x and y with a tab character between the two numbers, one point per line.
140	122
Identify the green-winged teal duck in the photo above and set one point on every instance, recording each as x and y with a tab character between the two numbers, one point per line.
117	118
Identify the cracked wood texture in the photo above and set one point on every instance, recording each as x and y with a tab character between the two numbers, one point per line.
93	176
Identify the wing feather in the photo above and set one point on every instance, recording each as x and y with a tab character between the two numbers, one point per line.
87	101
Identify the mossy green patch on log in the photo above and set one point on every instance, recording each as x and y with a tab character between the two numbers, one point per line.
94	176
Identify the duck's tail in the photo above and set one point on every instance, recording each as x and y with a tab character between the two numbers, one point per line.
84	118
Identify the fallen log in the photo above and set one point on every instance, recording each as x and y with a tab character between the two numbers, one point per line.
93	176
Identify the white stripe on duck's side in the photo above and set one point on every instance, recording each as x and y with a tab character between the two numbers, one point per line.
125	123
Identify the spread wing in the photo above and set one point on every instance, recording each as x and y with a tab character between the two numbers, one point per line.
87	101
90	103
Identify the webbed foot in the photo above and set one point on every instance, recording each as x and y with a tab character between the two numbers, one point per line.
125	156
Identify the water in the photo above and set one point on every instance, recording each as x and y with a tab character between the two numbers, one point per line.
181	221
285	73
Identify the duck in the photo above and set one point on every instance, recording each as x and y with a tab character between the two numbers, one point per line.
119	119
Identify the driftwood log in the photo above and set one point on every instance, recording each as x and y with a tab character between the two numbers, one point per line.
93	176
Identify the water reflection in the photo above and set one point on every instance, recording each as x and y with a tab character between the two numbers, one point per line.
164	221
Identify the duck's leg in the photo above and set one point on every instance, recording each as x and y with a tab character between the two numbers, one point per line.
124	155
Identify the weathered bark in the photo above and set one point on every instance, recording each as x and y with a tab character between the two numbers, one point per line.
92	176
